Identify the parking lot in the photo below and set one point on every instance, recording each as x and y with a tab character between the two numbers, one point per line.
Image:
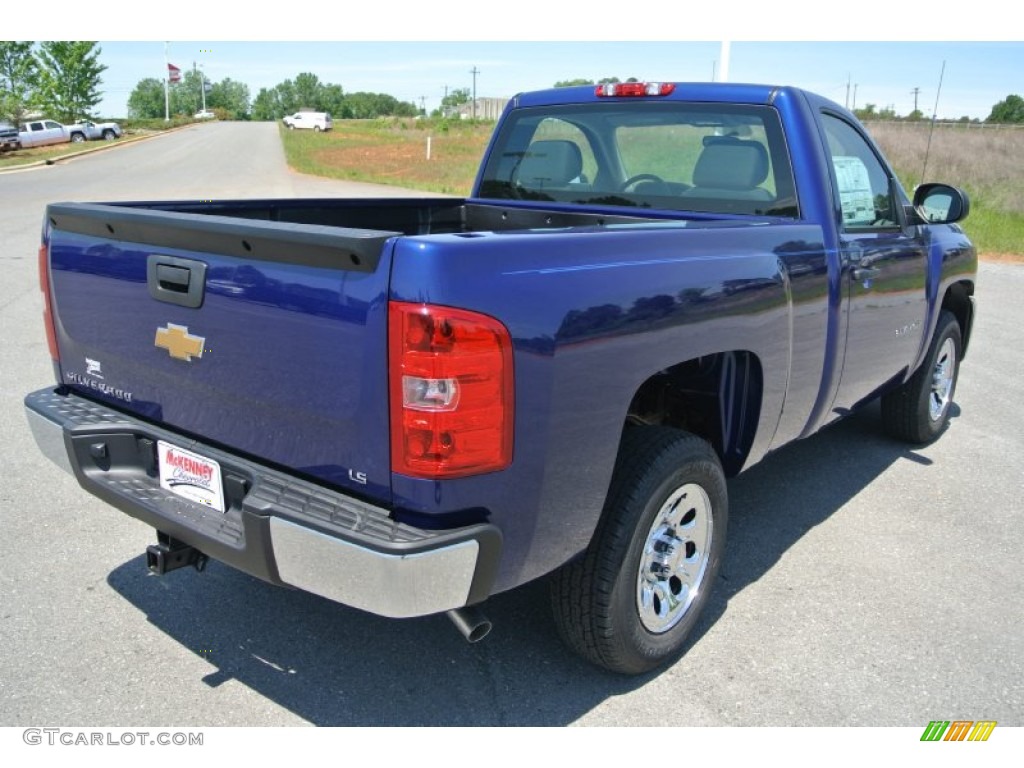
865	583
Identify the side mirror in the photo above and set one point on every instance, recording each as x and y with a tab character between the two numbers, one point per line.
940	204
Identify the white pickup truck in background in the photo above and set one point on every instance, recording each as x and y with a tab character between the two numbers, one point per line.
39	133
87	129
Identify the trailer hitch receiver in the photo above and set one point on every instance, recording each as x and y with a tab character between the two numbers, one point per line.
170	554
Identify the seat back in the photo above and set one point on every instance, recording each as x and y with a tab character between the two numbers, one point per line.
731	168
549	163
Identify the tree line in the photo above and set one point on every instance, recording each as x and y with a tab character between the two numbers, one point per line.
60	79
307	92
1009	110
229	98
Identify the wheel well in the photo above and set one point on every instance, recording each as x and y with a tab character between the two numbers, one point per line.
958	301
717	397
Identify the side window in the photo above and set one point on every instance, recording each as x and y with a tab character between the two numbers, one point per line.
554	129
51	124
865	194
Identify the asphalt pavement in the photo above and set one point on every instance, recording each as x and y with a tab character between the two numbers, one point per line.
865	583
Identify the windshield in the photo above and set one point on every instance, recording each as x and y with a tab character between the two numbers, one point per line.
717	158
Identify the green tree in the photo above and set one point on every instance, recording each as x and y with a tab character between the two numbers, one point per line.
363	105
308	92
231	96
287	98
187	95
867	112
264	106
332	99
591	81
147	99
1009	110
19	77
451	101
69	78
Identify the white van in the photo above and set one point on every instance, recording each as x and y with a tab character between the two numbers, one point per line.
318	121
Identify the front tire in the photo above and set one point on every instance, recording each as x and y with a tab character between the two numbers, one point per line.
77	138
918	411
630	602
108	135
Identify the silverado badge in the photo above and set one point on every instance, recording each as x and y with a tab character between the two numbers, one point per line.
181	344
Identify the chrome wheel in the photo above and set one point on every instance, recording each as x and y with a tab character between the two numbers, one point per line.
675	558
942	380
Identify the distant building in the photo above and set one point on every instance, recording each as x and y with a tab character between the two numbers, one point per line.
486	109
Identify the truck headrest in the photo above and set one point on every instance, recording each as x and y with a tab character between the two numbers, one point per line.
730	163
549	164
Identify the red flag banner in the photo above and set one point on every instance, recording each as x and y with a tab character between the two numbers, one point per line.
173	73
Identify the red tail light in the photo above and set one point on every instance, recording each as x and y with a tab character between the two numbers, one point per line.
44	286
452	403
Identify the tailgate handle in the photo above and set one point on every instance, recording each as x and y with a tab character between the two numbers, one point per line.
176	281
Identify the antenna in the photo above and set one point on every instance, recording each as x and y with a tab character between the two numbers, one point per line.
931	130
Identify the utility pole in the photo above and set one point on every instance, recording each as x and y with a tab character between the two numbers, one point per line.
915	91
167	84
202	84
474	72
847	105
854	108
423	104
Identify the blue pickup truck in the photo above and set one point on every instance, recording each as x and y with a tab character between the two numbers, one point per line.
410	405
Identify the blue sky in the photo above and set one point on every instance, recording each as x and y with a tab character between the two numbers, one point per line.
415	50
977	74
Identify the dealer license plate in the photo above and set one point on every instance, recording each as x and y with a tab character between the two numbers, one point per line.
190	475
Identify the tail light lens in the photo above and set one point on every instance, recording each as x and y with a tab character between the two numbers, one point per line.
634	89
44	286
452	402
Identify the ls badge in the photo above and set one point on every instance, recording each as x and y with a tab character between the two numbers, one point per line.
181	344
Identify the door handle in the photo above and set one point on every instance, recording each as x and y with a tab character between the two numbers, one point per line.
862	274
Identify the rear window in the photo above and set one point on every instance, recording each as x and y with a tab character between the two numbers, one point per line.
697	157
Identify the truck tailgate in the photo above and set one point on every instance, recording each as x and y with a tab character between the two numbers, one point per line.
267	338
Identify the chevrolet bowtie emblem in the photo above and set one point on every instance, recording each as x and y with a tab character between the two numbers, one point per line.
181	344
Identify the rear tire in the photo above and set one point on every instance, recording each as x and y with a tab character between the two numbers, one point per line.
918	411
630	601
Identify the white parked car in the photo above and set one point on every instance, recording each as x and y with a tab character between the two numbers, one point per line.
318	121
204	114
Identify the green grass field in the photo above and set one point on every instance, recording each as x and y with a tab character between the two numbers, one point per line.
393	151
988	162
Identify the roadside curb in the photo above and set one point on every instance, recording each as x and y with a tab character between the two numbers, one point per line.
103	146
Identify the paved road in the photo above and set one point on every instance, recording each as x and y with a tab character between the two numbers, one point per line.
865	583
